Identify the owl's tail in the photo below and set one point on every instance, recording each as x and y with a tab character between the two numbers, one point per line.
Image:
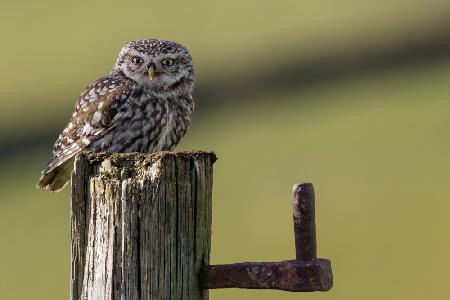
55	178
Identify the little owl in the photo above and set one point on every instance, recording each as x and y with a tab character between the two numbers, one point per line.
143	105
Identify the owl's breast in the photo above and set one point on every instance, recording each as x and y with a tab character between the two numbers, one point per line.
146	124
175	123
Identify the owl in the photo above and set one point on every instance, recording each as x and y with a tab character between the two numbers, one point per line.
143	105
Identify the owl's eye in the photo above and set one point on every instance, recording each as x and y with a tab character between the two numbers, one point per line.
137	60
167	62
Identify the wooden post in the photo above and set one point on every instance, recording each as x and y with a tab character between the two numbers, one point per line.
141	225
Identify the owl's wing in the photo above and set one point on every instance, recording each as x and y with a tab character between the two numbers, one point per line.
91	120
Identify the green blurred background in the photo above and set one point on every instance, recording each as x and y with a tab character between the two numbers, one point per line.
350	95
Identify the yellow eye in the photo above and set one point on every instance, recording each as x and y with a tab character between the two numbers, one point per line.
137	60
167	62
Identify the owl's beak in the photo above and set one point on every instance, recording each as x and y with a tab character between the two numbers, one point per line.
151	73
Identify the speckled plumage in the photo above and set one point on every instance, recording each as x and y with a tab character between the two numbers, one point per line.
143	105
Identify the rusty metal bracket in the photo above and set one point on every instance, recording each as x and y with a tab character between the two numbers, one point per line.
306	273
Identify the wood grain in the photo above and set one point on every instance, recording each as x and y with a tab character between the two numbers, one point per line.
141	225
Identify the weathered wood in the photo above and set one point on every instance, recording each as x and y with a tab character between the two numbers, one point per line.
141	225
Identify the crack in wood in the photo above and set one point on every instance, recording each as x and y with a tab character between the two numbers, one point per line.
140	225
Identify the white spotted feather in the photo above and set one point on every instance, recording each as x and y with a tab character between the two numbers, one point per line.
128	111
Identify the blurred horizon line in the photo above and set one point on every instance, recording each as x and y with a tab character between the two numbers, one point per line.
293	74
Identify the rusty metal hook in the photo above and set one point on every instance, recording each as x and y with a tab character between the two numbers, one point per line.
306	273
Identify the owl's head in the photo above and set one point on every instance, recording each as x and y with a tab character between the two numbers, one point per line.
155	63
